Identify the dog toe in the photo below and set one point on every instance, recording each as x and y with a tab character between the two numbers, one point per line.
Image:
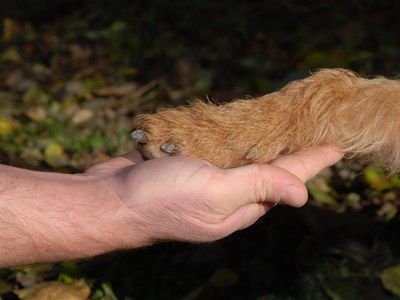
169	148
139	136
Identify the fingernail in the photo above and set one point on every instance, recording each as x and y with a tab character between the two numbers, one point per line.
291	195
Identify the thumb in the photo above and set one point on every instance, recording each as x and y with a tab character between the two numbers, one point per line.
250	191
260	183
244	217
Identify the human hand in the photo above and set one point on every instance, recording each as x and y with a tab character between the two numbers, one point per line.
186	199
128	203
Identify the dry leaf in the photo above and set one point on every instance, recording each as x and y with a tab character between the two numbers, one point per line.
6	127
10	29
320	190
37	114
388	210
390	278
78	52
11	55
81	116
54	155
76	88
78	290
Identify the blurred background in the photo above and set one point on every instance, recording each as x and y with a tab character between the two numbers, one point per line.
73	75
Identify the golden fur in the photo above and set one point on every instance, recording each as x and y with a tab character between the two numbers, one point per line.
358	115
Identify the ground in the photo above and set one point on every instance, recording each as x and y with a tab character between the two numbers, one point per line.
74	75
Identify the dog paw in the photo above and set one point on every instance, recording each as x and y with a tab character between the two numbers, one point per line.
167	148
200	130
158	135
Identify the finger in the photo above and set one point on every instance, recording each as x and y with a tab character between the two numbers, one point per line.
307	164
258	183
244	217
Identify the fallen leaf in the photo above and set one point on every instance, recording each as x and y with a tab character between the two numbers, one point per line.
78	290
76	88
320	191
17	81
37	114
41	70
35	95
4	287
378	180
81	116
79	52
354	201
31	155
54	155
10	29
108	292
13	78
390	196
375	178
6	127
11	55
388	210
390	278
28	279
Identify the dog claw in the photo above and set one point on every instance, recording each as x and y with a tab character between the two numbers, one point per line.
251	154
169	148
139	136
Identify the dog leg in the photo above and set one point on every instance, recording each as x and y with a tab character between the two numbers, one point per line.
358	115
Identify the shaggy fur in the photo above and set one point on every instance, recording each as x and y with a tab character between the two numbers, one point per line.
358	115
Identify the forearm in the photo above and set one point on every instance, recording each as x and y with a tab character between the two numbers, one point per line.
49	216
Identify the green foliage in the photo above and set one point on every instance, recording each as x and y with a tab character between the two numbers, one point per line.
73	74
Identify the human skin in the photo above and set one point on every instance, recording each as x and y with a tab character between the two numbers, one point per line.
316	110
128	203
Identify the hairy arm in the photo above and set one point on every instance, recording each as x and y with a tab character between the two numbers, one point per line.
127	203
49	216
